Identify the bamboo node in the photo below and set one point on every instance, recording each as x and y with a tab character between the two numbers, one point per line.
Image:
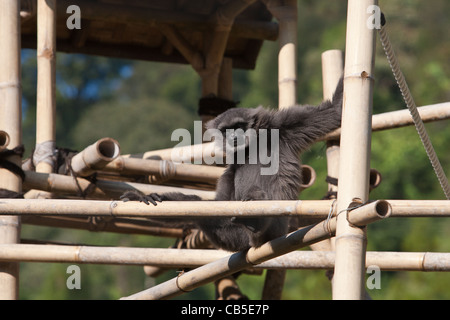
180	273
47	53
10	84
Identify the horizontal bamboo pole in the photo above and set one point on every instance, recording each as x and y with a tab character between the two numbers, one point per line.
420	208
307	208
57	183
180	171
193	258
95	156
117	225
243	260
402	118
317	209
183	171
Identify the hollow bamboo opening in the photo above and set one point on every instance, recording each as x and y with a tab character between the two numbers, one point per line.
4	140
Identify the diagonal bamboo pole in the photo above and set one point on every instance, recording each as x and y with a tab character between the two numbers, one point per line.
10	122
348	281
95	156
245	259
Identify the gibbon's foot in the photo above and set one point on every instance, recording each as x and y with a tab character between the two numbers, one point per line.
135	195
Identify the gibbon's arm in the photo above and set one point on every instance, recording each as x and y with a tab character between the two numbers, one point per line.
225	185
300	126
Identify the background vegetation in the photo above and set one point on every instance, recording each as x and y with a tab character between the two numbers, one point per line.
140	103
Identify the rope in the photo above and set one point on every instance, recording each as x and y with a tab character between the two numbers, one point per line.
407	97
11	166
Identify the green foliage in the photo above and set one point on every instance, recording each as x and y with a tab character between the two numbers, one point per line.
141	103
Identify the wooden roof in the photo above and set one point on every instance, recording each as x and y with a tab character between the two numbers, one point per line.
132	29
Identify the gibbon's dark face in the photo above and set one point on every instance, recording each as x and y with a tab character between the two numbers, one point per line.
234	125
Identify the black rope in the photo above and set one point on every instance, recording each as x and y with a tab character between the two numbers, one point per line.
11	166
8	194
331	194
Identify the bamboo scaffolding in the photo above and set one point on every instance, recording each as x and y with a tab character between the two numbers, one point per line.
194	258
95	157
245	259
57	183
354	167
10	122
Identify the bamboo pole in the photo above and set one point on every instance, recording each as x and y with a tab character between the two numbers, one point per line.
180	209
194	258
332	70
46	86
102	189
349	275
245	259
402	118
286	14
10	122
183	171
118	225
308	209
180	171
95	157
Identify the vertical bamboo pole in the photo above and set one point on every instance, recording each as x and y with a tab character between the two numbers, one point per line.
46	92
10	122
332	70
354	164
46	82
286	14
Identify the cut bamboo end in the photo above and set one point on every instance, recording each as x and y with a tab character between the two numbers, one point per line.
371	212
308	176
4	140
96	156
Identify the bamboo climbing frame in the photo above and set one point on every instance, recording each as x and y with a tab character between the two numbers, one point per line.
346	219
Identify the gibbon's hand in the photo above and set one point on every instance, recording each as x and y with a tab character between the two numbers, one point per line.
135	195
